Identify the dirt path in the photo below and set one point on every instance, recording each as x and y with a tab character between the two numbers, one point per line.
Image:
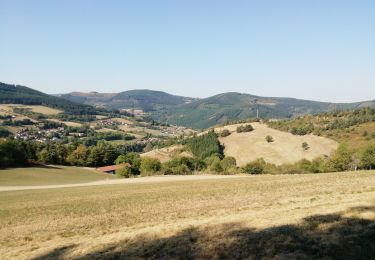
154	179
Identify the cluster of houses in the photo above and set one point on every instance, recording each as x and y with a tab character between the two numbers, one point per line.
39	135
110	122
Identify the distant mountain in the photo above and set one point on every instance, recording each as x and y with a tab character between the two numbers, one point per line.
16	94
207	112
231	106
147	100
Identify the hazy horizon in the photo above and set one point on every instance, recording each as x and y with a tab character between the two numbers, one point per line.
320	50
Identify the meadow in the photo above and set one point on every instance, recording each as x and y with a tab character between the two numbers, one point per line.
50	175
328	215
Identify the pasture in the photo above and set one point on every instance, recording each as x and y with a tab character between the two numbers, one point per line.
52	175
280	216
33	108
286	148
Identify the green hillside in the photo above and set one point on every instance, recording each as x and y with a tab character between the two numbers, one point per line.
146	100
16	94
225	107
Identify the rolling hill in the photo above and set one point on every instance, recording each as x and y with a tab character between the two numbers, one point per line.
146	100
247	147
226	107
207	112
16	94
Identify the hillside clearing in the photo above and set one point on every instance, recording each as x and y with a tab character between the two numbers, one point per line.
34	108
286	148
68	123
49	176
305	216
167	153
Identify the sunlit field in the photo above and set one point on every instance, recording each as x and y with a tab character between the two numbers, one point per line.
285	216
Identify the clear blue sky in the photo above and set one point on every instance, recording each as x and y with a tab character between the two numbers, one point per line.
321	50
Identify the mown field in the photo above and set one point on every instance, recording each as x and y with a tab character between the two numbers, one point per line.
328	216
49	176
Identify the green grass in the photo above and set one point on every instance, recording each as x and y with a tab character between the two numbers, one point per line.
49	176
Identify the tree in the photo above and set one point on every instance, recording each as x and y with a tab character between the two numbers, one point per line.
125	171
95	159
133	159
12	153
149	166
228	164
341	159
78	156
269	139
204	146
368	157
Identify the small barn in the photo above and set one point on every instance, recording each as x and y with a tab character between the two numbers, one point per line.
109	169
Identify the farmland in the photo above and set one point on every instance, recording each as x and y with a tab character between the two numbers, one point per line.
305	216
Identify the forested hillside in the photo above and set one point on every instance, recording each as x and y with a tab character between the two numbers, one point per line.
146	100
16	94
226	107
207	112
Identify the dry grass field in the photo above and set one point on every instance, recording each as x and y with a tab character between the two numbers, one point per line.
34	108
286	148
68	123
329	216
49	176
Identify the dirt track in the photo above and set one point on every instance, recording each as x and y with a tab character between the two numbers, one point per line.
154	179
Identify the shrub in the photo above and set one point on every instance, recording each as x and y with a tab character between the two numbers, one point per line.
224	133
214	164
244	128
125	172
228	164
183	166
269	139
131	158
255	167
149	166
4	132
305	146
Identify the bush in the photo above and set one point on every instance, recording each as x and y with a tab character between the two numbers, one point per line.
183	166
214	164
244	128
269	139
224	133
4	132
255	167
149	166
125	172
228	164
131	158
305	146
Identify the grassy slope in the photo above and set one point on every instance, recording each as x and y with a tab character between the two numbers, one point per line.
266	216
49	176
286	148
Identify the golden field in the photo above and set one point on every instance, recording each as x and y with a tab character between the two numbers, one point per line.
286	148
271	216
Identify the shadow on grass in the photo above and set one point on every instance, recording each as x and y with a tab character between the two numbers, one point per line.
32	165
332	236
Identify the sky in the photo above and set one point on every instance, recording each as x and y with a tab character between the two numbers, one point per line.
319	50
